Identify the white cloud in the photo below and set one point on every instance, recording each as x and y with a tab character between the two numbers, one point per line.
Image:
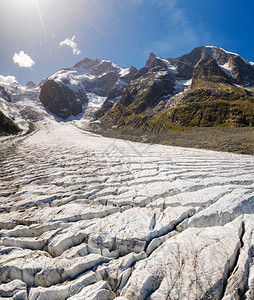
23	60
7	79
70	42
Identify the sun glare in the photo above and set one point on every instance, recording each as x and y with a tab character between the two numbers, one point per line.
41	17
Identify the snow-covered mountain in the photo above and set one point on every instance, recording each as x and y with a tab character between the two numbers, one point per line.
20	104
73	93
95	88
84	87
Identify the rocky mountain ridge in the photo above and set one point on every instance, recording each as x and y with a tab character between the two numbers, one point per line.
90	82
219	92
206	87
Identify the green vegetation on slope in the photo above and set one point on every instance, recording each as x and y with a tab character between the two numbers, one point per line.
207	105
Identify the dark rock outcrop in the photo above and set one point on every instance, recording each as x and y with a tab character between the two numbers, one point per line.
153	62
60	100
149	85
207	70
148	89
106	106
116	92
185	64
128	76
7	126
242	72
4	94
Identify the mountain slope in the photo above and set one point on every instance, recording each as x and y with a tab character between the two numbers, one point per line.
239	68
21	105
84	87
207	87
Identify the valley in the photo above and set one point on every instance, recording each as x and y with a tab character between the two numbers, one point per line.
109	188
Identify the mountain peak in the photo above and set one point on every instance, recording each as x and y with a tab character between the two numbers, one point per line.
153	61
87	63
31	84
152	55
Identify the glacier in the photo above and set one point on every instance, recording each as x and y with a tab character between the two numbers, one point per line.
88	217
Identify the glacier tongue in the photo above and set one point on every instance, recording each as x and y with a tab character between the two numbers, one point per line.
88	217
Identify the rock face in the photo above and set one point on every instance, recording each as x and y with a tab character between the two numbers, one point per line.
148	86
7	126
207	87
240	69
59	99
116	92
84	88
121	220
4	94
207	70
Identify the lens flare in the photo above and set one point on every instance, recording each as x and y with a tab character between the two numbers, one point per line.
41	18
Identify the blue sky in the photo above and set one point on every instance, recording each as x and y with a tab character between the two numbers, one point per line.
123	31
